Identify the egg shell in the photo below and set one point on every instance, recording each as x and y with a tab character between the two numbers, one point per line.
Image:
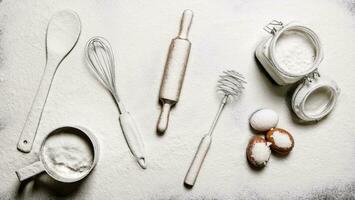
249	152
264	120
281	140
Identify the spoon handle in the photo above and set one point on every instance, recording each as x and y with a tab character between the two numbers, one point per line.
30	127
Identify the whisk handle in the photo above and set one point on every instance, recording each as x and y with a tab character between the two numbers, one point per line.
196	164
133	138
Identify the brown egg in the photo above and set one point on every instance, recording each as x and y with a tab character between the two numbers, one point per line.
281	140
258	152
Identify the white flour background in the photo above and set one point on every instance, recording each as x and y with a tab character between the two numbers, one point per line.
224	35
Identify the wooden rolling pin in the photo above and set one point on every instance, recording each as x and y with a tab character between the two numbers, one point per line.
174	72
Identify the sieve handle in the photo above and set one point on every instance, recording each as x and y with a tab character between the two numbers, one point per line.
30	171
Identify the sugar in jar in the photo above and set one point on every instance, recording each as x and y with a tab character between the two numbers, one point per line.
293	54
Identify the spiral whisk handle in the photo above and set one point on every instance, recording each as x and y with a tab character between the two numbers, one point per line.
197	162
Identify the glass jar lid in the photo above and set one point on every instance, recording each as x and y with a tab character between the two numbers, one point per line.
315	98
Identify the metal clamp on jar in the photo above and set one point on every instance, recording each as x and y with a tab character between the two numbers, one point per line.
316	96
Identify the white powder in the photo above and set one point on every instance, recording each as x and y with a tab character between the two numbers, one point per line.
67	154
261	152
282	140
224	35
294	52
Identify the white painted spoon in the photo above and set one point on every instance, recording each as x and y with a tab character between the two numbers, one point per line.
63	32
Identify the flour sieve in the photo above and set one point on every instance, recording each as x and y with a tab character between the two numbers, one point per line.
305	103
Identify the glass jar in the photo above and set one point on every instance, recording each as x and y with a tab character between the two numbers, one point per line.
315	96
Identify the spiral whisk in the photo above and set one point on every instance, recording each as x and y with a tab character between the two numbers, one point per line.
230	84
100	58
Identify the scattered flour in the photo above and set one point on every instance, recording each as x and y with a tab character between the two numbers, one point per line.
281	140
261	152
2	79
68	155
224	36
294	52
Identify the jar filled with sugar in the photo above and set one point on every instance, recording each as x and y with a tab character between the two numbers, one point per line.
292	54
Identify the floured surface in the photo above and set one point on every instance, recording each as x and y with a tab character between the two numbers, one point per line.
224	35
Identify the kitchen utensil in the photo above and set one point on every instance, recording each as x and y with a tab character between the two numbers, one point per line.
266	51
101	60
63	32
313	83
174	72
59	171
230	85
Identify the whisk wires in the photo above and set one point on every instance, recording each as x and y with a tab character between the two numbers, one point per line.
100	57
231	83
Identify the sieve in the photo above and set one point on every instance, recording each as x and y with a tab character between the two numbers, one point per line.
312	80
41	165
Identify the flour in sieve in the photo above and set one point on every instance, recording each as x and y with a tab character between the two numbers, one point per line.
294	52
68	155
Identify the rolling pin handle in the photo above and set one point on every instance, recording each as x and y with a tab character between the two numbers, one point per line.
185	24
164	118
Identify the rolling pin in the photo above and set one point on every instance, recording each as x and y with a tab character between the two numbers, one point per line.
174	72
